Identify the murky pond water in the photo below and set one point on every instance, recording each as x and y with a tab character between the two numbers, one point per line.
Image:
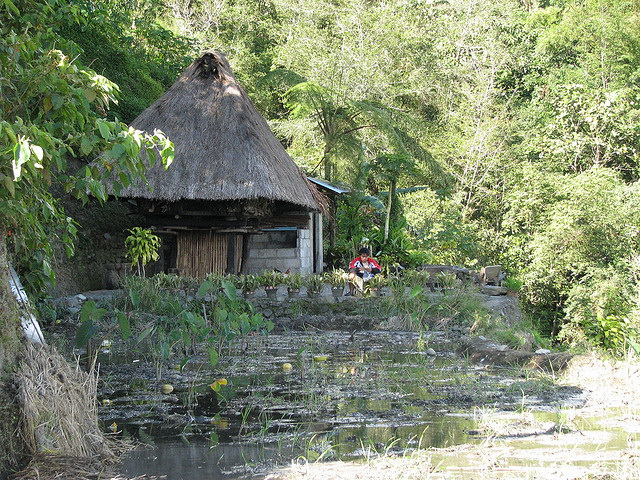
317	394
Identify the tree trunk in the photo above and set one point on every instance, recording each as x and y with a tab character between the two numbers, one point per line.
13	450
387	220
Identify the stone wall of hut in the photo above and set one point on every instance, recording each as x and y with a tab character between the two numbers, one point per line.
282	249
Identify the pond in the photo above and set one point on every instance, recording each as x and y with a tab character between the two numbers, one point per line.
314	394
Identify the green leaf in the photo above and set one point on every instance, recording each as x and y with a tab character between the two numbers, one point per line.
98	190
86	145
57	101
213	356
415	291
85	332
183	363
147	331
635	346
205	289
117	151
230	290
135	297
105	131
89	94
124	324
220	315
9	185
8	4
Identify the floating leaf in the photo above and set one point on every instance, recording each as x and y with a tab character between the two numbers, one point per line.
216	385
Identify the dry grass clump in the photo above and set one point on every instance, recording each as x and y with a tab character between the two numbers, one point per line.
60	419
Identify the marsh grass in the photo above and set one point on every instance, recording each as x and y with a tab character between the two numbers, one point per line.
59	404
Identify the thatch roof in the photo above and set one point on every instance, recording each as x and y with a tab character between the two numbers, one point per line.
224	149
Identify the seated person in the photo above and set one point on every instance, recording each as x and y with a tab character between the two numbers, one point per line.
361	269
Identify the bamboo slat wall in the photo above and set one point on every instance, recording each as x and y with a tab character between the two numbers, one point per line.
203	252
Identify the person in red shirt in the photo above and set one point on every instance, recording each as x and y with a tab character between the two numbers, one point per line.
361	269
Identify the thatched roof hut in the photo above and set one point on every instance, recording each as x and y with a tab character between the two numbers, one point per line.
230	182
224	148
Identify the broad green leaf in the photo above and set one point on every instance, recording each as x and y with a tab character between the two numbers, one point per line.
98	190
46	103
147	331
230	290
9	185
9	5
86	146
117	151
89	94
105	132
124	324
220	315
85	332
124	179
205	289
57	101
415	291
135	298
213	356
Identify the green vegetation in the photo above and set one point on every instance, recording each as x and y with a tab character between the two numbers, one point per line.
142	247
166	323
468	133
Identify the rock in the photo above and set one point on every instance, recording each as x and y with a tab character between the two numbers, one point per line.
505	308
493	290
542	351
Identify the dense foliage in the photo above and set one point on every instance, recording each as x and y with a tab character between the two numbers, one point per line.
470	133
54	134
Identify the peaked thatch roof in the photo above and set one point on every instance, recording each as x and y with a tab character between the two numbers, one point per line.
224	149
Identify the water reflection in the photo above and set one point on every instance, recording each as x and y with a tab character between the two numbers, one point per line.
337	399
179	461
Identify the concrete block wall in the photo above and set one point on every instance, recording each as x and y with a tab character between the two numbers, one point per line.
270	250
